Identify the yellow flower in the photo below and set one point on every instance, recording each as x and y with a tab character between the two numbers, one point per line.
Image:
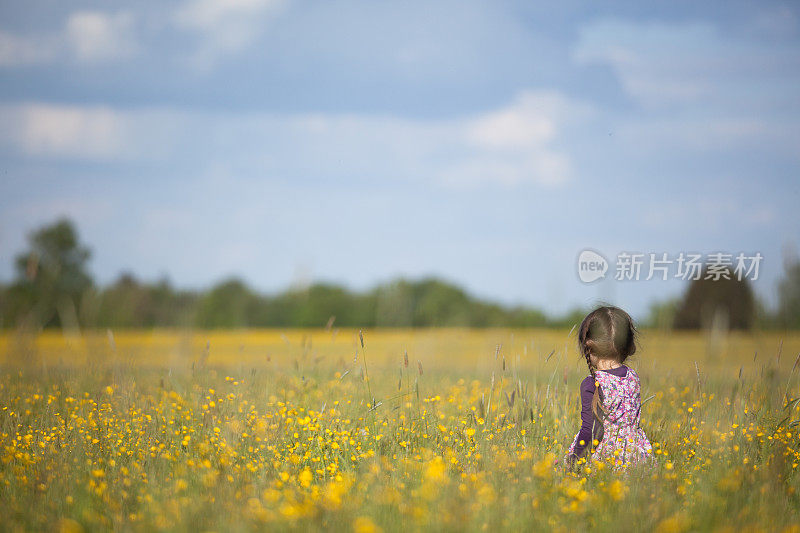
305	477
435	470
362	524
67	525
617	490
677	523
544	468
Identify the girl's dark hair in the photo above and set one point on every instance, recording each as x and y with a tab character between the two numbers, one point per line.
608	333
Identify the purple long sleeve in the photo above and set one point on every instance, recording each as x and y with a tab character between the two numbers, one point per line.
587	417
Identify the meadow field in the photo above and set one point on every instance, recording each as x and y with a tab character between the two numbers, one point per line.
441	429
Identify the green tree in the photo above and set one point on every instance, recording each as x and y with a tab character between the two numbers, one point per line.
569	319
320	302
394	304
789	300
662	314
440	304
229	304
4	306
726	298
51	277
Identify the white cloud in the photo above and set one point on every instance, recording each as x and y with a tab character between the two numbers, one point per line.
655	63
224	26
662	64
95	37
513	145
516	144
18	50
63	131
86	37
698	90
511	129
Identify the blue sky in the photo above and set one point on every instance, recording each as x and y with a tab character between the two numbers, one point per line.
484	142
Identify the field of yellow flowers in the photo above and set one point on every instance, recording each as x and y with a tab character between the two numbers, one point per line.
386	430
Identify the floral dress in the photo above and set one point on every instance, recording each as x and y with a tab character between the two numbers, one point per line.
624	442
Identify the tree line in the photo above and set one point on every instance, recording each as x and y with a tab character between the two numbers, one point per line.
53	288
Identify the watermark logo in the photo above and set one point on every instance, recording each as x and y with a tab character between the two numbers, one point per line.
634	266
591	266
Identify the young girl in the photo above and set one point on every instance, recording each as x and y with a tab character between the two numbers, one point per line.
610	396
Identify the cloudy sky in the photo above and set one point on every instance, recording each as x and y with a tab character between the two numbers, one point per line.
355	141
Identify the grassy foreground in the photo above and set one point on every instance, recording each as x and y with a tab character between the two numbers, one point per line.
419	429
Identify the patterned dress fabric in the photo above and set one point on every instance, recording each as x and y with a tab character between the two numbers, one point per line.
624	442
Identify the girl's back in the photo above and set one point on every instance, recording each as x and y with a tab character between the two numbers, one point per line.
624	440
611	396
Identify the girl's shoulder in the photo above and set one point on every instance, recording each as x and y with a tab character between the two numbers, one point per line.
588	384
619	374
633	377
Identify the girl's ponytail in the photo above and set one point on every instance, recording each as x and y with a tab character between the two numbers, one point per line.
598	409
